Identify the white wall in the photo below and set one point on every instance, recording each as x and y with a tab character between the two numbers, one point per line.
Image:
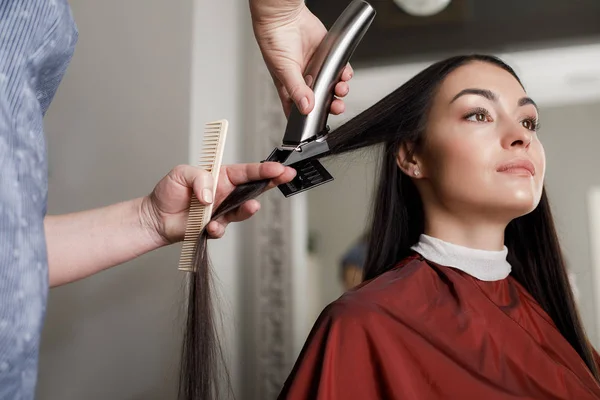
337	212
571	138
145	78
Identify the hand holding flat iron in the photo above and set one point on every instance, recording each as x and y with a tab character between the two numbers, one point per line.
288	35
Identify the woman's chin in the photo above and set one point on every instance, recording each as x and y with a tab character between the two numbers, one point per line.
521	205
522	195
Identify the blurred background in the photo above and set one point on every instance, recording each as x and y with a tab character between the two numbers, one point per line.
146	77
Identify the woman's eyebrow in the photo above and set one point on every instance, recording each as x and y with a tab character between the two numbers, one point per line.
488	94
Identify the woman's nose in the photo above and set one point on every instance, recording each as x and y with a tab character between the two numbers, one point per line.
517	136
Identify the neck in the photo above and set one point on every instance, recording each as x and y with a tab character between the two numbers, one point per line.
470	231
484	265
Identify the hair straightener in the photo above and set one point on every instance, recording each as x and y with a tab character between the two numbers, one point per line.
306	135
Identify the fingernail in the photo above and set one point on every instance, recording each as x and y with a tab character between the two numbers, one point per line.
207	195
304	103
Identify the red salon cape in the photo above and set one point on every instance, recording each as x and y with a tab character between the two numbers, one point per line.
424	331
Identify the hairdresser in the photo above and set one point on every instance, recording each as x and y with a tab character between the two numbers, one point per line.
37	40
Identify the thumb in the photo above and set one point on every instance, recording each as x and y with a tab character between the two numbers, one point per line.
200	180
295	85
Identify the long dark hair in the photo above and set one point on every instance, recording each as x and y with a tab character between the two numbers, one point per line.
397	220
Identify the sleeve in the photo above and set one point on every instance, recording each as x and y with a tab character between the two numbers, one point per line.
336	362
355	256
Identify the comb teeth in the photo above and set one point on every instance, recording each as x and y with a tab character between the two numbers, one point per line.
211	155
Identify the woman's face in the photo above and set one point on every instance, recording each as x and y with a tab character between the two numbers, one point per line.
481	152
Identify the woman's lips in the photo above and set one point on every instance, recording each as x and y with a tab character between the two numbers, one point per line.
522	167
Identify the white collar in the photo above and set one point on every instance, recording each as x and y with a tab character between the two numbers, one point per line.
484	265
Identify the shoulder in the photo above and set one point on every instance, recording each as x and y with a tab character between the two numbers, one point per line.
399	293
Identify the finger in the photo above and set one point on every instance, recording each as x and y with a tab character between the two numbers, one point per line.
337	107
286	101
243	212
216	229
342	89
287	176
244	173
200	180
293	81
347	73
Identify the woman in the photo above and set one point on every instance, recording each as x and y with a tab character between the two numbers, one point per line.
466	293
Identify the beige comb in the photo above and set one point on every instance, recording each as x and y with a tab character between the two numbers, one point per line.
211	155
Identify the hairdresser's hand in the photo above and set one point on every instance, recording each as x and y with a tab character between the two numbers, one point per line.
288	34
166	209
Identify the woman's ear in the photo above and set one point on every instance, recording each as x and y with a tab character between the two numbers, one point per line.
407	161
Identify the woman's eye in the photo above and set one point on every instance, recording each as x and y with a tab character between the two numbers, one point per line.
477	117
530	124
478	114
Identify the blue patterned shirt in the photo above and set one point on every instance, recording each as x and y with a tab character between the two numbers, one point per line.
37	40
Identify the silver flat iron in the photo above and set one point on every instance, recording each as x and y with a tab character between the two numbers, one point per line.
306	135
